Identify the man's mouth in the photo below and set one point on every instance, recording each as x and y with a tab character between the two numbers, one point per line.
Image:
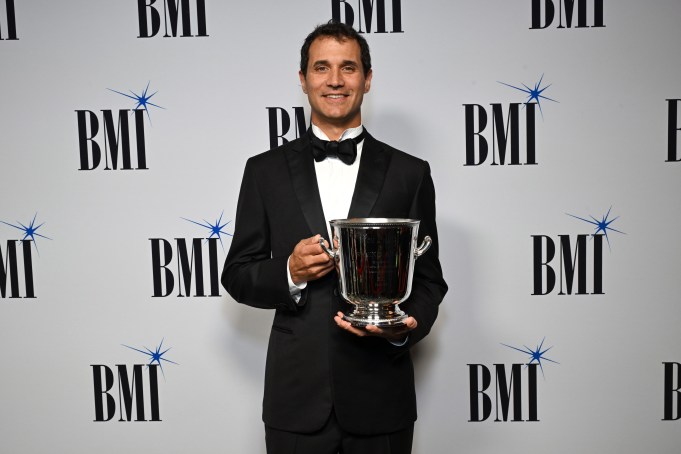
335	96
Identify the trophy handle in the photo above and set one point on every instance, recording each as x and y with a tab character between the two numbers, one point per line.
420	250
333	254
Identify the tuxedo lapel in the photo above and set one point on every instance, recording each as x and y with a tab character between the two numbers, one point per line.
304	179
373	166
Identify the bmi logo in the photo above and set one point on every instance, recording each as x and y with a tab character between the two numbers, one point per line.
16	260
280	124
504	130
672	391
673	130
515	391
114	134
175	262
133	389
8	23
589	13
575	261
191	14
374	20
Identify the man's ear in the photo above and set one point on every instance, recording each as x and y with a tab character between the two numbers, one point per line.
302	81
367	81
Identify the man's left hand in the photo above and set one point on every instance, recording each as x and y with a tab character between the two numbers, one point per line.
394	334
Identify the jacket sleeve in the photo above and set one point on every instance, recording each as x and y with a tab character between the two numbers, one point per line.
251	275
428	285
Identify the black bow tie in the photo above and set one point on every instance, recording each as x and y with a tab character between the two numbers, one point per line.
345	150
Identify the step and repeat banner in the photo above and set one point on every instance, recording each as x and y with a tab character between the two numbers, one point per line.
553	130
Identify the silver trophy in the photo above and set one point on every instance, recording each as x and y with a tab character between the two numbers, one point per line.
375	259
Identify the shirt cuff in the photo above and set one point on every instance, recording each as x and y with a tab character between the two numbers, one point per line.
294	289
400	344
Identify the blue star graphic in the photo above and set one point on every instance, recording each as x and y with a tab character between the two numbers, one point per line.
142	100
29	231
215	229
156	356
535	355
534	94
601	226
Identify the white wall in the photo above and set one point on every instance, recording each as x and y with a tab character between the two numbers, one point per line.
602	146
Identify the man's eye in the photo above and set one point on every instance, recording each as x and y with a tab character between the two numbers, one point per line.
348	69
321	68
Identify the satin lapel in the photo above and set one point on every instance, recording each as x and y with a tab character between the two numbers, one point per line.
304	179
372	169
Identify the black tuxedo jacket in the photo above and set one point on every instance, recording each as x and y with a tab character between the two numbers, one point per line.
313	366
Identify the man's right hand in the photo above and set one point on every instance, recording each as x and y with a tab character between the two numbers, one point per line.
308	261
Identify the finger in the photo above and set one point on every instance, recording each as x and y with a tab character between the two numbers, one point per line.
321	272
313	249
344	324
306	268
320	267
373	329
393	332
308	242
389	333
313	266
316	260
312	261
318	254
312	239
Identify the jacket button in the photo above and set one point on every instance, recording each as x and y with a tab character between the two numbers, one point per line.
335	291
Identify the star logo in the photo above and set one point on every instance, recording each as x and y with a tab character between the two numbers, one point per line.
536	355
143	100
601	226
155	356
30	231
533	94
215	229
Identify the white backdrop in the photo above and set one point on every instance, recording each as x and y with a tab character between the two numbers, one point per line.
601	146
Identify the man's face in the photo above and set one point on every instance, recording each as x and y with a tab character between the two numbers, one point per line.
335	84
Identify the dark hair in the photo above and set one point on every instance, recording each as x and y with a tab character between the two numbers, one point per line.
341	32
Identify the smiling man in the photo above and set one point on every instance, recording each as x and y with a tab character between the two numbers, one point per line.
330	387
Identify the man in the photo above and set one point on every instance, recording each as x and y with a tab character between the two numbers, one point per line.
331	387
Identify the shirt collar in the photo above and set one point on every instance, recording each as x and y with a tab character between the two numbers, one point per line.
350	133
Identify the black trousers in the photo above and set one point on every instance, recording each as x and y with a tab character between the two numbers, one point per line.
332	439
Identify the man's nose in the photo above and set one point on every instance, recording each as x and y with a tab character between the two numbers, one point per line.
335	78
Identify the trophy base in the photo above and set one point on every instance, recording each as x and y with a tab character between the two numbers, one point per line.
381	315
